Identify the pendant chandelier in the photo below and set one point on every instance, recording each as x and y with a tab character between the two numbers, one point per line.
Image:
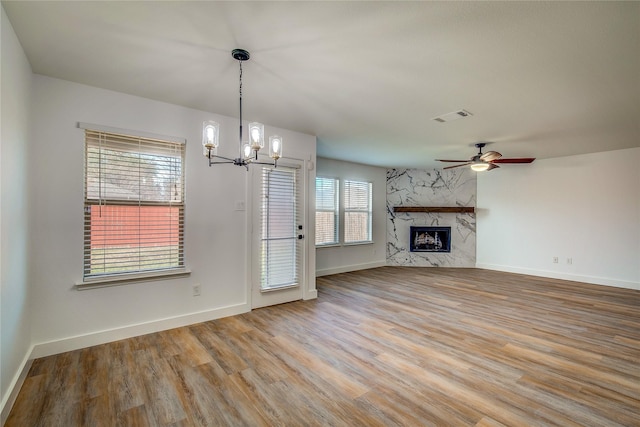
248	149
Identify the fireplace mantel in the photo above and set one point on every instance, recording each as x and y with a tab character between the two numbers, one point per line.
442	209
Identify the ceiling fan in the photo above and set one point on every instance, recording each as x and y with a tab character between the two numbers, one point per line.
485	161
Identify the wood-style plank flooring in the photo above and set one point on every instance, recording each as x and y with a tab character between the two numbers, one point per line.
391	346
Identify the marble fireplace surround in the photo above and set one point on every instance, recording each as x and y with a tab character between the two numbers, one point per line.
441	198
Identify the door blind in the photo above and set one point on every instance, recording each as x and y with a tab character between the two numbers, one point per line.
134	204
280	217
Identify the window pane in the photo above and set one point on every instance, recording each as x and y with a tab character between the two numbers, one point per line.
356	227
326	228
356	195
134	206
326	192
133	238
326	211
357	211
122	175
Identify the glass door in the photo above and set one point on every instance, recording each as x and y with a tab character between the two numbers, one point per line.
278	235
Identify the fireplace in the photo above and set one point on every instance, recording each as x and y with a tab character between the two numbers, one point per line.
430	239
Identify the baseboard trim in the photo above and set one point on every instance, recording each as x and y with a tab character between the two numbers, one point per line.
102	337
96	338
563	276
311	294
15	386
348	268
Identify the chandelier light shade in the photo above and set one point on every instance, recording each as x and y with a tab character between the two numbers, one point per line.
248	149
275	147
210	137
256	135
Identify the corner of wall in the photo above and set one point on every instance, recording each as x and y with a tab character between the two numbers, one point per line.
15	110
14	387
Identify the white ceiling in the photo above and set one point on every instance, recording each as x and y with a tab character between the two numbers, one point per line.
542	79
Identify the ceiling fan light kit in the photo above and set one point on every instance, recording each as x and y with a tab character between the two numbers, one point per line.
479	166
485	161
248	149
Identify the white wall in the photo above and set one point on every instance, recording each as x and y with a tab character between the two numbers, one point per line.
15	329
342	258
215	238
584	207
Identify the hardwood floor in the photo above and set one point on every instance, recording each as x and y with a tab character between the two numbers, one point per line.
383	347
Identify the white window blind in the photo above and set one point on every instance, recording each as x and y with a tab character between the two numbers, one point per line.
327	211
280	217
134	205
357	211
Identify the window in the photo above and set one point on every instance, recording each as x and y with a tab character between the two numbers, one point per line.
357	211
134	205
326	211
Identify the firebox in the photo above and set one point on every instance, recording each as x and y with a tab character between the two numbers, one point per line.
430	239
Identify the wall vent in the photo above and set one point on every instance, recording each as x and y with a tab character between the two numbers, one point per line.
455	115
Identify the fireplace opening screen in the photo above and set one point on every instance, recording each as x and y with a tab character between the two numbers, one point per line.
430	239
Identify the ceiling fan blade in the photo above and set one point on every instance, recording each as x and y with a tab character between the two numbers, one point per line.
520	160
490	155
492	166
458	161
457	166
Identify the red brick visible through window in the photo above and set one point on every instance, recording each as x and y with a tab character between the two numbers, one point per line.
115	226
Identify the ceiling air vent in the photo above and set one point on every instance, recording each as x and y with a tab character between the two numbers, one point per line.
449	117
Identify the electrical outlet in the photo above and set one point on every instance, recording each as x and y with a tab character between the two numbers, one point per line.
555	259
569	261
196	290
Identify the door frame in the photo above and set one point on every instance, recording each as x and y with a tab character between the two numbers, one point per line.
307	288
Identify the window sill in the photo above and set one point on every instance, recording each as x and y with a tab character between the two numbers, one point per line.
124	279
341	245
368	242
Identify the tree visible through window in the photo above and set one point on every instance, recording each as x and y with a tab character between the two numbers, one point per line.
134	204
